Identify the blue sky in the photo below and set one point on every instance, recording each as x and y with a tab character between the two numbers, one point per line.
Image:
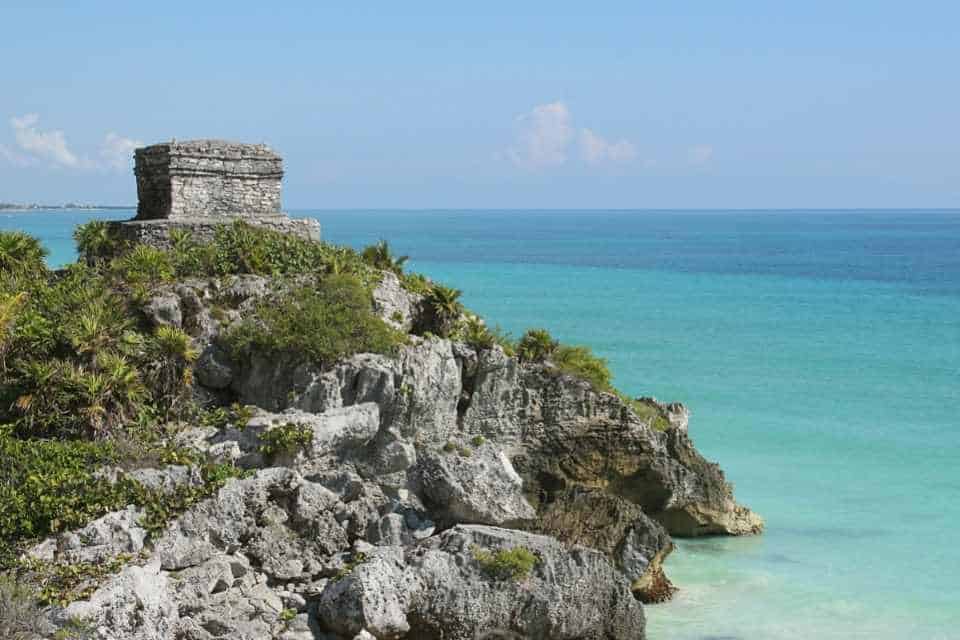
496	104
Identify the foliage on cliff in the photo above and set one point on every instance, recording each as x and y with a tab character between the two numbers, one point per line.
323	322
87	381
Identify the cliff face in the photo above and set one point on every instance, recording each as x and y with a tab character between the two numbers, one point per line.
444	492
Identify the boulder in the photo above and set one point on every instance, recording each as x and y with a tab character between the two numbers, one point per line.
394	304
443	589
482	488
635	543
563	433
136	604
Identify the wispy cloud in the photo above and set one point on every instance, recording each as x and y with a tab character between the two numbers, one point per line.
700	155
44	145
543	137
116	151
597	150
546	136
37	146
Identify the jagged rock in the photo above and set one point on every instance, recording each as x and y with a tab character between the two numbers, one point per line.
709	507
483	488
562	433
136	604
167	479
635	543
397	306
164	309
250	611
214	369
440	590
429	392
493	405
417	392
103	539
224	521
194	585
375	597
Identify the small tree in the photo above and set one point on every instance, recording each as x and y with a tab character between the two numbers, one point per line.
379	256
536	345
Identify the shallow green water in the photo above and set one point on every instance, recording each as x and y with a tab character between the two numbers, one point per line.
819	353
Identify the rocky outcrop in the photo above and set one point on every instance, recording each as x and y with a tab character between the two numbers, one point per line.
441	589
637	544
479	488
408	474
563	434
555	429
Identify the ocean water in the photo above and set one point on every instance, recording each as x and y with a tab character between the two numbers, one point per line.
818	351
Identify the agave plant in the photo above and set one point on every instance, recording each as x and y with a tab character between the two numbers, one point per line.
95	241
173	356
474	332
144	264
21	253
379	256
444	302
97	328
340	261
536	345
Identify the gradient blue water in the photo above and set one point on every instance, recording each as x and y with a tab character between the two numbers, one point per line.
819	352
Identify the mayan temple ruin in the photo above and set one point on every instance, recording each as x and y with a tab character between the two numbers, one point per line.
198	184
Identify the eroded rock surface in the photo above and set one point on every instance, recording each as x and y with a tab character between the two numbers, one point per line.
415	468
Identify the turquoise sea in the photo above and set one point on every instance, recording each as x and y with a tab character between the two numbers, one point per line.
819	352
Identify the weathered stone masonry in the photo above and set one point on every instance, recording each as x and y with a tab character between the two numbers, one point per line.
207	178
199	184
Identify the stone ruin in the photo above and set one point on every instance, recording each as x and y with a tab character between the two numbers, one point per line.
199	184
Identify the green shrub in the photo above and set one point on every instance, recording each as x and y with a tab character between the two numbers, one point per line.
582	363
322	324
161	507
144	265
380	257
506	564
21	253
47	486
416	283
96	241
235	415
63	583
287	616
355	561
285	439
536	345
240	248
647	411
474	332
444	305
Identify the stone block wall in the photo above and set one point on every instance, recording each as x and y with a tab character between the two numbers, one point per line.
201	179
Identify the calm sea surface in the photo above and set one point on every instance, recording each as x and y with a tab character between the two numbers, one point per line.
818	351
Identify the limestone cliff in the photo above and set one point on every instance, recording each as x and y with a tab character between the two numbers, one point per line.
444	492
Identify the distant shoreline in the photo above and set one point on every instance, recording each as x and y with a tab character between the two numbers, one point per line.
36	208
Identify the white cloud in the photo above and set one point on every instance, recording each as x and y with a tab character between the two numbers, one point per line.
117	151
543	137
43	145
700	154
36	146
597	150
